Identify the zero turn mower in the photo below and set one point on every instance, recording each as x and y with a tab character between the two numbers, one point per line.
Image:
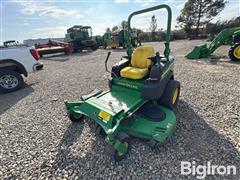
141	99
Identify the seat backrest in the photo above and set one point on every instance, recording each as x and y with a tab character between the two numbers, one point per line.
140	57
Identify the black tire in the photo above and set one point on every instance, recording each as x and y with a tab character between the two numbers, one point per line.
94	48
236	39
75	118
170	97
232	52
100	131
10	81
124	138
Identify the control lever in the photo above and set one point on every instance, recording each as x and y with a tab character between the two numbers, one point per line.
155	59
106	68
158	58
108	55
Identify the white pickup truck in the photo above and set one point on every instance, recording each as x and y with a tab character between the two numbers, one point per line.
15	61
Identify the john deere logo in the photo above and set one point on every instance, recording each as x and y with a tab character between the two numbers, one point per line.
127	85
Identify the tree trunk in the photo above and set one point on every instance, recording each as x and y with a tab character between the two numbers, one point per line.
199	18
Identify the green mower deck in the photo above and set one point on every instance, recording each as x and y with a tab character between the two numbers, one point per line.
119	104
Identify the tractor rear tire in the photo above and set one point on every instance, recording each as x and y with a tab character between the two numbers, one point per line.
234	52
170	95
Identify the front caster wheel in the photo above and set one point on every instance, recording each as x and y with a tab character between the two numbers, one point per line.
125	140
100	131
75	118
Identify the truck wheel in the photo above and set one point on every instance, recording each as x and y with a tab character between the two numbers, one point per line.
10	81
170	95
234	52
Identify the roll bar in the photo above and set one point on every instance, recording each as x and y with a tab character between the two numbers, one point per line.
167	43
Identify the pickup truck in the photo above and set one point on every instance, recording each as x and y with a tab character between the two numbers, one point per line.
15	61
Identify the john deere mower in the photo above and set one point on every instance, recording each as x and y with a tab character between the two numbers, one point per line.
141	99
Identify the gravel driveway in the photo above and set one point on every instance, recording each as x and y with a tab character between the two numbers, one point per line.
38	141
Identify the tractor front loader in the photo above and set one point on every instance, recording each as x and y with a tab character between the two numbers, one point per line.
230	36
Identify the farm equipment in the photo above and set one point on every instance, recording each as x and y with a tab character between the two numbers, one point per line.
80	37
53	46
119	39
230	36
142	97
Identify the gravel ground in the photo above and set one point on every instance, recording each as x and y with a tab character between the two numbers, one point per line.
38	141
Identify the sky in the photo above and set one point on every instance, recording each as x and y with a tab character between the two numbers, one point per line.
26	19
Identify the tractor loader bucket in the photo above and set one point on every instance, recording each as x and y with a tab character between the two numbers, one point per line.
200	51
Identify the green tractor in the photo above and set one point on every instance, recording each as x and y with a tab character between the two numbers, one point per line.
141	99
119	39
229	36
80	37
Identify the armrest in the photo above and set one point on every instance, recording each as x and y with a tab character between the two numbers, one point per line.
120	65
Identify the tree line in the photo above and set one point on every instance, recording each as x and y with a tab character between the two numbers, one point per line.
193	22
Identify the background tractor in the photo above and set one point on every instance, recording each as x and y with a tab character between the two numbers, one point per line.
229	36
119	39
80	37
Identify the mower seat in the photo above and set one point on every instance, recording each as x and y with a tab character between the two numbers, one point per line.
139	63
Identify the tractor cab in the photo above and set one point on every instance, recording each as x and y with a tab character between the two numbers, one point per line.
80	32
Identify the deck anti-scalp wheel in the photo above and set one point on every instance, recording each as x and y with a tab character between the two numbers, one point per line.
125	139
75	118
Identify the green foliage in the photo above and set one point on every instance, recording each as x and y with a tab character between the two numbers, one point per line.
197	13
114	28
108	30
124	24
178	34
215	28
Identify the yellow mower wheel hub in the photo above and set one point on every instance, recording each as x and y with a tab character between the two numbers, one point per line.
175	96
126	145
236	52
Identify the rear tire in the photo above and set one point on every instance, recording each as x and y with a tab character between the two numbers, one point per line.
10	81
234	52
170	95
